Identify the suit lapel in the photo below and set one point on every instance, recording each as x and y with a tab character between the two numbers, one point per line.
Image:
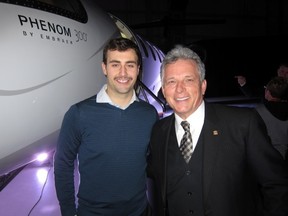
211	137
166	129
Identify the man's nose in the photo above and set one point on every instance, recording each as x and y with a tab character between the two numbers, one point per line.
123	70
180	86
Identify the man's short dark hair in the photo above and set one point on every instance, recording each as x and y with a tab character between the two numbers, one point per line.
278	87
122	44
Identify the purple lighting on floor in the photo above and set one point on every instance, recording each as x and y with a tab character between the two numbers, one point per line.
42	157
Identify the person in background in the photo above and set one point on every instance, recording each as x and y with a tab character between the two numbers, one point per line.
211	159
252	91
108	135
274	112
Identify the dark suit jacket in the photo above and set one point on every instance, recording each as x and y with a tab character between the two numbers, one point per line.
238	162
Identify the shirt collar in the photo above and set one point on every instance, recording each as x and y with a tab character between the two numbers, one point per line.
196	118
103	97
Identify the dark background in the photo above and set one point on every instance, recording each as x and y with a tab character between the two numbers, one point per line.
247	37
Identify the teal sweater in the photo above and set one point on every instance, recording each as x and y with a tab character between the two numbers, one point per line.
111	146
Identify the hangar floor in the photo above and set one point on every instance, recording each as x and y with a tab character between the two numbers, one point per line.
30	193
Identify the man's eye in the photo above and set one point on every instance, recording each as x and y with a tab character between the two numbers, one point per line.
171	82
130	65
188	81
115	65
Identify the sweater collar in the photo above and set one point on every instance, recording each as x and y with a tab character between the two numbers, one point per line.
103	97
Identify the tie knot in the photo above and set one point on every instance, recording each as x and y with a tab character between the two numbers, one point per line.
185	125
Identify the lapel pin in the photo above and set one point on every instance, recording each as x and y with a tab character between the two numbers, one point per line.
215	133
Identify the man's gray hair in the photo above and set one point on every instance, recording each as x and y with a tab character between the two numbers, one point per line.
180	52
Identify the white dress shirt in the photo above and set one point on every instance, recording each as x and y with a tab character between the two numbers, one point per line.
196	121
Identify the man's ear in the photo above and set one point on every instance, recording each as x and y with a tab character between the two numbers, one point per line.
203	86
163	92
267	95
104	69
138	71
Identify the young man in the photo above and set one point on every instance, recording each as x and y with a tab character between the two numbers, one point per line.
109	135
223	161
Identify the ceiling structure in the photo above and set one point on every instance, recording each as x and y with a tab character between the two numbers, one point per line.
169	22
